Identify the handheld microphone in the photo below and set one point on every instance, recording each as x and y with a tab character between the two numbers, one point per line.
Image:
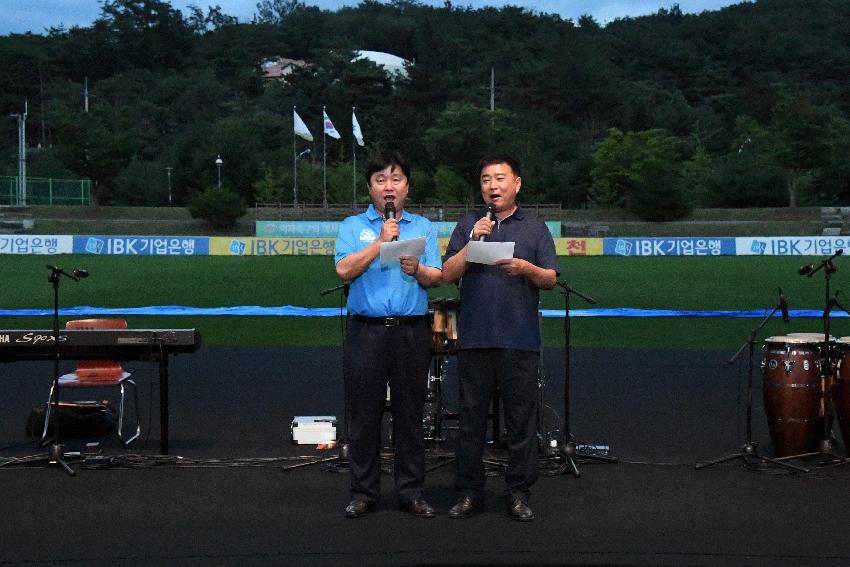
783	304
490	214
81	273
389	212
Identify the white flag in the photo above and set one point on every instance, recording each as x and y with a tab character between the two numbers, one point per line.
355	128
329	127
300	128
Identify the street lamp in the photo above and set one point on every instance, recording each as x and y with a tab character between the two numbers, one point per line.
295	174
218	163
168	171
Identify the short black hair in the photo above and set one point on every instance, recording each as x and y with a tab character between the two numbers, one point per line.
493	159
384	160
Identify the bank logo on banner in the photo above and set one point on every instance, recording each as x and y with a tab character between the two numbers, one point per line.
623	248
758	247
237	247
94	246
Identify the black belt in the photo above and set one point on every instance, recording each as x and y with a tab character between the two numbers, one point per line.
389	321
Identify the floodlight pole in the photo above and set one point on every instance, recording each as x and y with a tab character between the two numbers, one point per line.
22	155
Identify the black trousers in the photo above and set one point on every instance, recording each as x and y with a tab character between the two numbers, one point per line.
375	356
514	374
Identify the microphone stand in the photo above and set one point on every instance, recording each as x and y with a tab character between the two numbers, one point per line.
569	452
55	452
340	460
828	362
750	449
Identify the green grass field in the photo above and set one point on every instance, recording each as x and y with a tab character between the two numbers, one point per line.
691	283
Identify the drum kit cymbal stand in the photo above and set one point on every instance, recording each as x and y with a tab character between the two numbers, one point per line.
569	454
749	450
828	365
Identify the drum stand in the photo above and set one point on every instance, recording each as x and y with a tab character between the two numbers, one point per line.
827	366
340	460
749	450
569	454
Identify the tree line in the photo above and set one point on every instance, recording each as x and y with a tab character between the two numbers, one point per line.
745	106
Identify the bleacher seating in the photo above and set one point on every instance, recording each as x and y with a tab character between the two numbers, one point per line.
15	219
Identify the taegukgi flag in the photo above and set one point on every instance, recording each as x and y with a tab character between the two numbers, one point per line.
355	129
329	127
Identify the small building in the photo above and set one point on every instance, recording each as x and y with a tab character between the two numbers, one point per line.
280	67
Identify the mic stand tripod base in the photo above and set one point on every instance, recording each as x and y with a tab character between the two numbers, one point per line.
824	450
749	450
568	454
56	456
341	459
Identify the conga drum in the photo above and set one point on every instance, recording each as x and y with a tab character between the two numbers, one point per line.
791	369
841	391
813	337
445	314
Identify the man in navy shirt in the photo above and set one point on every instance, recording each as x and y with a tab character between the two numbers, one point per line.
388	338
499	335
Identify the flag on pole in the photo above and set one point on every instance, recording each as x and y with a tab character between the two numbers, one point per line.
300	128
329	127
355	128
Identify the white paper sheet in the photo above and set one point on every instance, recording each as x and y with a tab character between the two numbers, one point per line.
392	251
489	252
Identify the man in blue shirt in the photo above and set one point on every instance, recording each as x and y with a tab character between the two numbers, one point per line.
499	335
388	337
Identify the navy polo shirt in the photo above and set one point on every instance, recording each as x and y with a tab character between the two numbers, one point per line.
498	310
383	291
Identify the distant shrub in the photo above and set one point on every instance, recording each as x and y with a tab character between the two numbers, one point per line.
220	207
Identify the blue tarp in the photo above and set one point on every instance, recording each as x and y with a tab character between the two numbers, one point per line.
292	311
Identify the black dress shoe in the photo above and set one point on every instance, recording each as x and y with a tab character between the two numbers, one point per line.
419	507
518	509
358	508
465	507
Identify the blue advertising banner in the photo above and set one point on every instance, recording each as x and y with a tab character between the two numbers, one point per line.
227	246
791	245
695	246
142	245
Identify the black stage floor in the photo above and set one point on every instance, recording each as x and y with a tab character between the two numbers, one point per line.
659	411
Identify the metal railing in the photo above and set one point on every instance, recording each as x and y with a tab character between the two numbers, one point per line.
46	191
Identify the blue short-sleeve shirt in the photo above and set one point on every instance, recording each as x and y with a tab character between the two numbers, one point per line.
498	310
383	291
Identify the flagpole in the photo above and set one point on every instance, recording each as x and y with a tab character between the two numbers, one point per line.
324	162
294	164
